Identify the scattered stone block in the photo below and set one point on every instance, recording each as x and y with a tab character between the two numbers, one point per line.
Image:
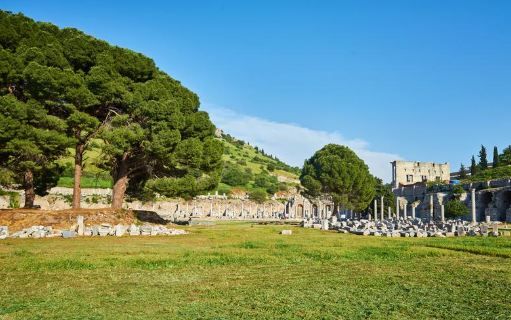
119	230
286	232
134	230
68	234
80	226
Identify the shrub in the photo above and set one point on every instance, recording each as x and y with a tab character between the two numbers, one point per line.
258	195
455	208
234	175
267	182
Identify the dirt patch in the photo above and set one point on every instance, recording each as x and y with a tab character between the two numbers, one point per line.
17	219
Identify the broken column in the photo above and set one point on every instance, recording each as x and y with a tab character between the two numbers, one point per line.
397	208
442	213
382	209
81	226
473	205
431	208
375	209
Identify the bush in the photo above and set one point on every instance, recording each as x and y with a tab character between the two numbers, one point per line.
258	195
270	167
267	182
455	208
234	175
283	187
222	188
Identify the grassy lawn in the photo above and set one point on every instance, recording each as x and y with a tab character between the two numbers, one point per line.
241	270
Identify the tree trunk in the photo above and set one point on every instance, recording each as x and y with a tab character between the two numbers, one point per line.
120	182
29	189
77	190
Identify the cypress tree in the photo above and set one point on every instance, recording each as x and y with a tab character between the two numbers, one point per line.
463	172
496	158
473	166
483	158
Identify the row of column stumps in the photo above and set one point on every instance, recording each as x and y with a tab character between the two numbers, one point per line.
431	208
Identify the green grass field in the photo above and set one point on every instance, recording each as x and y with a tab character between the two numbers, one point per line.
242	270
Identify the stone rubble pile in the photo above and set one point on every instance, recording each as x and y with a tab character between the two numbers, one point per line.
102	230
406	228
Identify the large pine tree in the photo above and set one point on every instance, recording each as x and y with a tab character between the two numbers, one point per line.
337	171
150	123
30	142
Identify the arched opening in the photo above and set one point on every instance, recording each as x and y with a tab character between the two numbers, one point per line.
504	205
315	211
485	201
299	212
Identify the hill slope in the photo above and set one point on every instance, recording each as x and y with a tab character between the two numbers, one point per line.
246	168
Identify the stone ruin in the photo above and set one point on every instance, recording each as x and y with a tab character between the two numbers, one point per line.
407	227
101	230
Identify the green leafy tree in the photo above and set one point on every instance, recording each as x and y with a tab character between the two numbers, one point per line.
505	157
385	190
496	157
30	142
163	140
338	171
473	166
483	158
267	182
258	195
234	175
463	172
150	123
455	208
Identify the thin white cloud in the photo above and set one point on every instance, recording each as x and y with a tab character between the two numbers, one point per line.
292	143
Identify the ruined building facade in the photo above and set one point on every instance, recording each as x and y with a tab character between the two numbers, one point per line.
406	173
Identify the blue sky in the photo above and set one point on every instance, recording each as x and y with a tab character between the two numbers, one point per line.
416	80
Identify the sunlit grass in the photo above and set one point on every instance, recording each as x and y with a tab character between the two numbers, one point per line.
242	270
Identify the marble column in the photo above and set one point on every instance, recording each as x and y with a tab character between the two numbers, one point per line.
442	213
389	215
473	206
397	208
375	209
431	208
405	211
382	209
413	211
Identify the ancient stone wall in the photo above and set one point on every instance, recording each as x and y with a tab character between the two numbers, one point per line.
492	200
406	173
